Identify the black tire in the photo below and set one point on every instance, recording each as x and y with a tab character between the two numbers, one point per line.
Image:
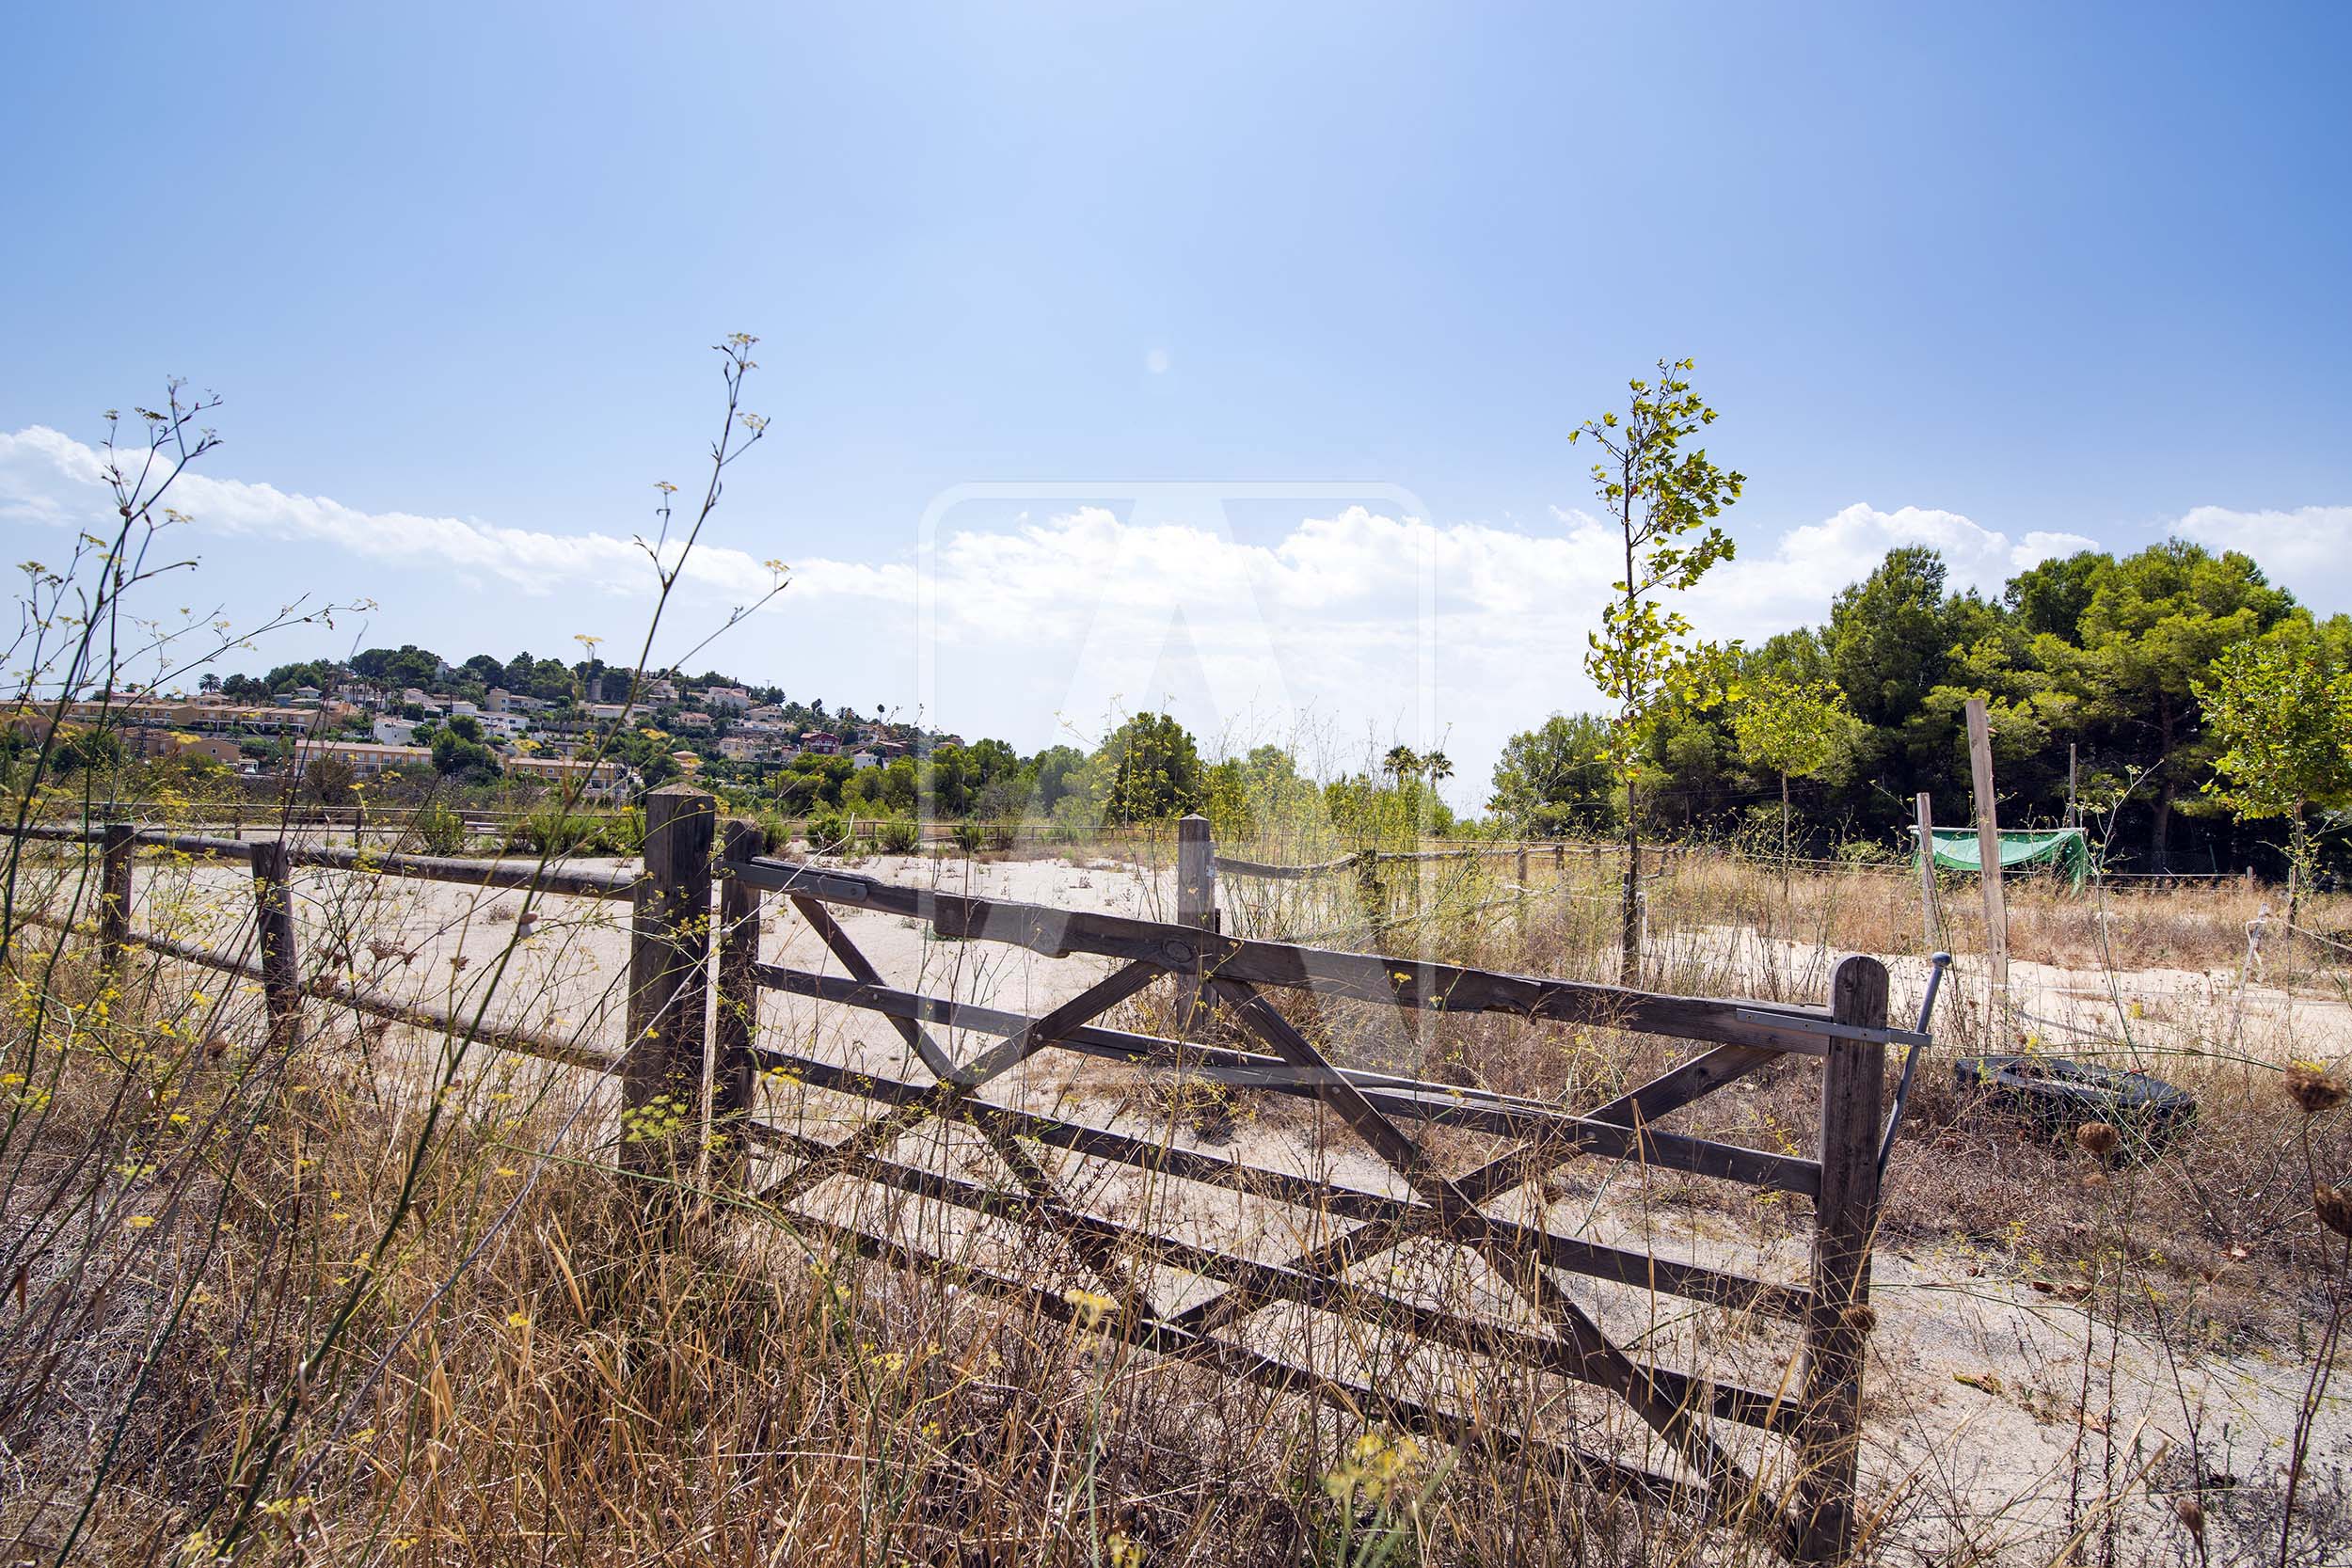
2059	1095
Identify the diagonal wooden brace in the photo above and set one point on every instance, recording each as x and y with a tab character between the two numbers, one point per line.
1599	1361
1026	1167
956	1083
1669	1091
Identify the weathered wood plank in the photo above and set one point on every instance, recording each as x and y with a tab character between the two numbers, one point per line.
669	971
281	964
1559	1133
1033	1035
1463	1222
1667	1092
735	1013
514	876
1838	1324
1026	1169
1232	865
1359	1401
114	897
1641	1271
418	1015
1273	1282
1326	971
517	875
1223	1063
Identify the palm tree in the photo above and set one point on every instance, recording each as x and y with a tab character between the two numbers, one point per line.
1400	764
1438	766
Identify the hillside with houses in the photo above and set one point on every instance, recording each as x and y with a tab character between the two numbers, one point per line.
407	714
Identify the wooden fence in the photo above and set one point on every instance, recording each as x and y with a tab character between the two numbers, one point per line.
1228	1030
1227	989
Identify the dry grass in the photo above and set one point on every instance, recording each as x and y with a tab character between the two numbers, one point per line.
306	1308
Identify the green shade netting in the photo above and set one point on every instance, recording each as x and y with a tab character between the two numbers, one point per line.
2065	850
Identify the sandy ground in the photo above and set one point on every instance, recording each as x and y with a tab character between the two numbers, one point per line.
1978	1382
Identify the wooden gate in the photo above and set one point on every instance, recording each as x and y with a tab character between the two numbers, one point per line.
1719	1434
1811	1418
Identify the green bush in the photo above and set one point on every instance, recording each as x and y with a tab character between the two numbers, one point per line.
441	830
967	835
554	833
550	832
623	832
898	835
827	832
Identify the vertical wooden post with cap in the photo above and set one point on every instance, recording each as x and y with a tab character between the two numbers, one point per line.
1926	816
736	1013
668	977
1196	906
273	911
1838	1316
1989	871
114	897
1370	896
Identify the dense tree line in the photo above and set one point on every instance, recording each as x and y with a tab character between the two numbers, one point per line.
1843	722
2102	653
1148	770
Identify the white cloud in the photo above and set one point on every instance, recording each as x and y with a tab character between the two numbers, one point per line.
47	477
1071	608
1811	562
2307	550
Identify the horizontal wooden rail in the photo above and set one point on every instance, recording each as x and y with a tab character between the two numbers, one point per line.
420	1015
1240	1069
517	875
263	813
1269	1283
1326	971
1553	1131
1641	1271
1565	1461
1231	866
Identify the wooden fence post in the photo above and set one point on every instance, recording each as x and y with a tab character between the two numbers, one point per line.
273	913
1368	893
1989	870
114	897
1838	1318
1196	904
669	974
1927	868
737	1014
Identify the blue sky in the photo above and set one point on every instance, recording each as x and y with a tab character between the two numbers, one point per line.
1997	277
